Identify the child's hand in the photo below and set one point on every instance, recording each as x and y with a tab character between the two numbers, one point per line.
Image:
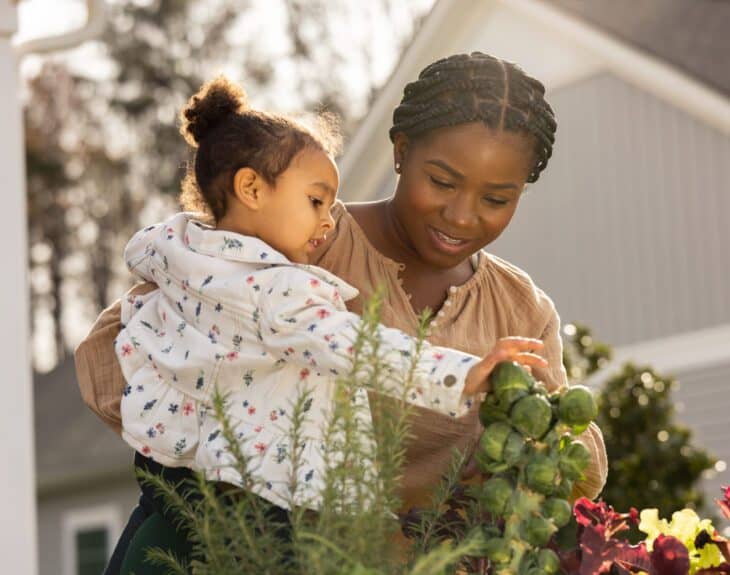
517	349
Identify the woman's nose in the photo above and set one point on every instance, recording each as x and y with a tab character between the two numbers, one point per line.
460	211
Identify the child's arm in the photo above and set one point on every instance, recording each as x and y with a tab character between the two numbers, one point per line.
303	319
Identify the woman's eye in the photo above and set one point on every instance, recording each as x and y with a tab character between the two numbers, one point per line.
495	201
441	183
316	202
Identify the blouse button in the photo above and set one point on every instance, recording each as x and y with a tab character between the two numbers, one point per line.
447	303
452	289
440	313
434	324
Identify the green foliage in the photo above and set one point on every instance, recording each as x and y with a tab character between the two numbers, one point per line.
652	462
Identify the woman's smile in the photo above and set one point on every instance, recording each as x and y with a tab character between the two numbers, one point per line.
447	243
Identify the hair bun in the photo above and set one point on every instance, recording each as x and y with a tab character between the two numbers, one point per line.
215	101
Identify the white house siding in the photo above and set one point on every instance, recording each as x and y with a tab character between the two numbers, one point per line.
54	509
703	404
627	229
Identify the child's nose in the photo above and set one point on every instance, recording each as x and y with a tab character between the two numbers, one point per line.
328	223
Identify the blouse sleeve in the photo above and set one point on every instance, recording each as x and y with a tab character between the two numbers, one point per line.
98	372
555	377
304	320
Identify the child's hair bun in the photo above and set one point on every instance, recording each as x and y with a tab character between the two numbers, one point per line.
214	102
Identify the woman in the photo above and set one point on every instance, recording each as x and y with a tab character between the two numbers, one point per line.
468	135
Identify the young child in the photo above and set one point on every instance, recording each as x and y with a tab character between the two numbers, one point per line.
239	310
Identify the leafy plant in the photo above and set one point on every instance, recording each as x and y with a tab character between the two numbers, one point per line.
234	531
652	461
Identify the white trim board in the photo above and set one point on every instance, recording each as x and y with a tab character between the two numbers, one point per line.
636	66
673	355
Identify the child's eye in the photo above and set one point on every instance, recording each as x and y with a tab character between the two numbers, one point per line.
441	183
316	202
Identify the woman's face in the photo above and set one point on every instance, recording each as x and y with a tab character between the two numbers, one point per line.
458	189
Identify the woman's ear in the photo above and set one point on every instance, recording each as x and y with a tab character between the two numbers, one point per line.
248	188
401	144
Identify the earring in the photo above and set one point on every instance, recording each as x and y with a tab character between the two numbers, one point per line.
397	167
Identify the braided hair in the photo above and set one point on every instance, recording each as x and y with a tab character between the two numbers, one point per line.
228	135
476	87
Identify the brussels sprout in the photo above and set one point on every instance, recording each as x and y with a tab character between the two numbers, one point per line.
531	416
537	530
548	561
558	510
541	474
496	493
577	407
514	447
498	550
564	488
493	439
574	460
510	382
490	412
487	464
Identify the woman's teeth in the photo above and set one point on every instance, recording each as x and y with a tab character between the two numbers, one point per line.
448	239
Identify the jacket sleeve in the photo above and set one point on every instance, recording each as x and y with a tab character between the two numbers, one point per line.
303	320
98	373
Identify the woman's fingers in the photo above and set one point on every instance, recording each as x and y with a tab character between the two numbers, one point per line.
518	344
530	360
517	349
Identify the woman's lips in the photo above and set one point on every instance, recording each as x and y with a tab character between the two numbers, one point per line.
446	243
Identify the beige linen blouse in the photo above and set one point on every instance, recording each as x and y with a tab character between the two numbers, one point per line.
499	300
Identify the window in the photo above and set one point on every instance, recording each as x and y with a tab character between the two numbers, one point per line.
92	550
88	537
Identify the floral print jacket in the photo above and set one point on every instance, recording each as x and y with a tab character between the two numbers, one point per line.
234	314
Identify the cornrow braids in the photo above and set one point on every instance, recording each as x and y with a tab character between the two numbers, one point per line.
476	87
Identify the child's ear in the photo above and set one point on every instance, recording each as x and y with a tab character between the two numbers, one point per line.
249	188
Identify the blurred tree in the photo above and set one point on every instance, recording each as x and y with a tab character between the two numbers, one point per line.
652	462
60	142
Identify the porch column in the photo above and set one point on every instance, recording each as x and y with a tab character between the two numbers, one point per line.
18	537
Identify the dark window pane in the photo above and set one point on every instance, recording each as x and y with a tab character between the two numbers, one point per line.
91	551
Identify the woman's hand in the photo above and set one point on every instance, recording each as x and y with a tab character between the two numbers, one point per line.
518	349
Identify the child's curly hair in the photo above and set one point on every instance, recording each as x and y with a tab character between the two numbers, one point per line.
228	135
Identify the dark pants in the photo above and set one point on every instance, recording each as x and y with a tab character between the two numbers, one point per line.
151	516
149	503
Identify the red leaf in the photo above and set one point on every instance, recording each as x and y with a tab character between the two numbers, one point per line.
725	502
669	556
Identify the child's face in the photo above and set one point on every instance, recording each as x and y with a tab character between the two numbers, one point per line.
458	189
296	215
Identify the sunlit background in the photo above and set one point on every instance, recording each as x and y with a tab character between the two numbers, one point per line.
627	229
